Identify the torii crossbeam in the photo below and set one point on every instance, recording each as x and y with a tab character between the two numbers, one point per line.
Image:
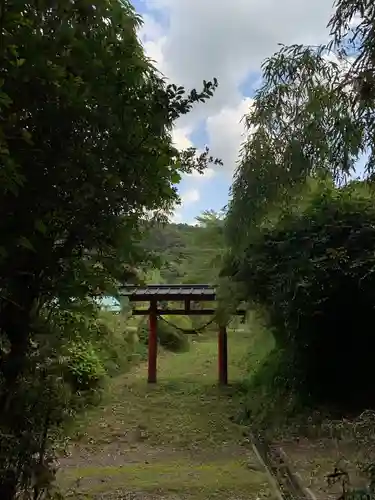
155	294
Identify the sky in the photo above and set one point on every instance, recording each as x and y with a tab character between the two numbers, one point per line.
195	40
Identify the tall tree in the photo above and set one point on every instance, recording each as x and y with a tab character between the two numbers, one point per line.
313	116
85	154
86	151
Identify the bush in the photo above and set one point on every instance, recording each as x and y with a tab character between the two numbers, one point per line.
169	337
270	400
116	341
84	368
71	356
172	339
210	330
41	403
314	273
265	391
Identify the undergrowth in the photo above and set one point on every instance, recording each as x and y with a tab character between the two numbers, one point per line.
270	405
266	398
272	408
170	334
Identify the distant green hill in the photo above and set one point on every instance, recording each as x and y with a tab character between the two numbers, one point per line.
179	248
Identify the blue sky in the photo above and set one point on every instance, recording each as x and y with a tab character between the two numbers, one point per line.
192	40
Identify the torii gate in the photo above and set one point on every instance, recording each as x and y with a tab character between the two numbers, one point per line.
154	294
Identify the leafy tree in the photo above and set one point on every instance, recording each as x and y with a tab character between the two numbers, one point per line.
186	253
312	116
169	244
301	244
313	272
86	153
203	263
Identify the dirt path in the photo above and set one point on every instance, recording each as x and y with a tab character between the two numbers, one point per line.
170	441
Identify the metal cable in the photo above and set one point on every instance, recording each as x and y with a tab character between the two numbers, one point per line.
188	331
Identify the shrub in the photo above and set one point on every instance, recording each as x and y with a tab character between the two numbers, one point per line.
41	403
71	356
208	331
172	339
116	342
84	368
169	337
314	273
97	341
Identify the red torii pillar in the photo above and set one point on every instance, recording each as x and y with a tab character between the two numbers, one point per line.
223	355
152	343
153	348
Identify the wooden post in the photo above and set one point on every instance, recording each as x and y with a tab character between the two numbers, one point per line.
223	355
152	344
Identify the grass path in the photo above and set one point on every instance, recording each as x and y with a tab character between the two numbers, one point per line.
174	440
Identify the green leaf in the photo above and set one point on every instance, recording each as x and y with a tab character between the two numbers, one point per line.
26	243
175	178
5	100
3	252
40	226
27	136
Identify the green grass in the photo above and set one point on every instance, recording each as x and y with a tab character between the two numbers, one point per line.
173	437
187	479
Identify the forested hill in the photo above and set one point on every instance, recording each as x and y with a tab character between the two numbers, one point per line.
187	254
174	241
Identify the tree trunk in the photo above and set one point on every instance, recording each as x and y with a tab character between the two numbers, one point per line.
8	486
15	324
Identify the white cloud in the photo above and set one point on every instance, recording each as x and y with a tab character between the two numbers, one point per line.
181	138
355	21
189	197
154	50
227	40
153	38
226	132
150	29
176	217
230	39
207	174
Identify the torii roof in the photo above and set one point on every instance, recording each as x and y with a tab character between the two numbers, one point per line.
201	292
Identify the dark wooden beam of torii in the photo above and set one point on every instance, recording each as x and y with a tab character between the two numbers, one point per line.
154	294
